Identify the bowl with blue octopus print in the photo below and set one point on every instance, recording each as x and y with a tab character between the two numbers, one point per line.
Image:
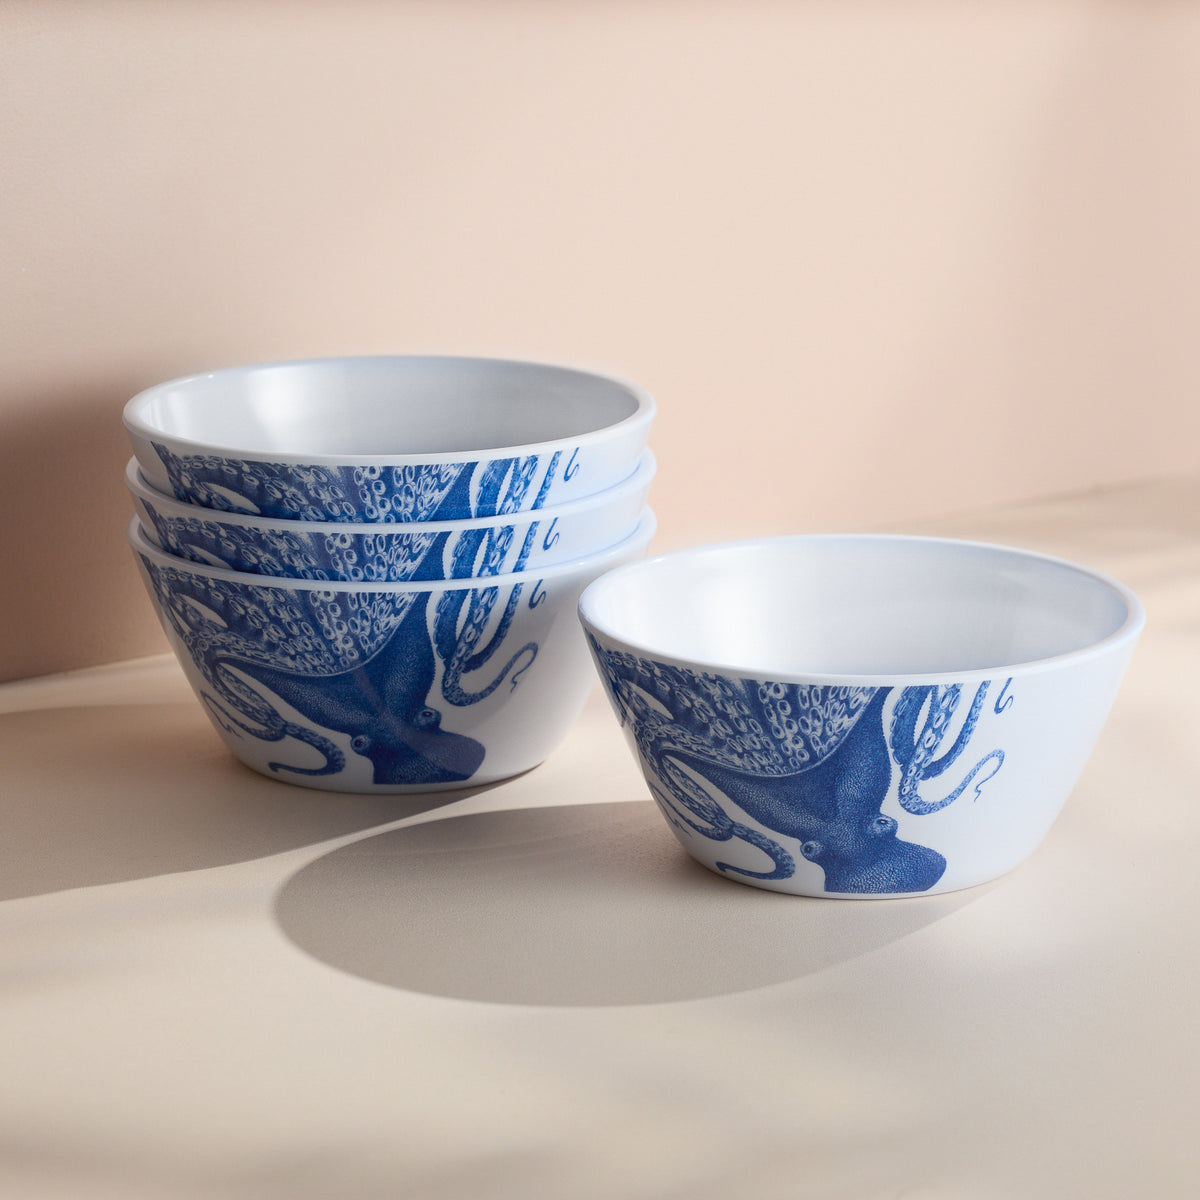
358	552
418	686
388	438
860	716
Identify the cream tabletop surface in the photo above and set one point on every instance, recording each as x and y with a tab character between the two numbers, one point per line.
216	985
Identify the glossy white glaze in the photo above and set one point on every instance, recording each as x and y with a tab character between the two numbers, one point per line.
860	715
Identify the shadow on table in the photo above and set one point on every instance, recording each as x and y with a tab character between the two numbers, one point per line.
106	794
574	905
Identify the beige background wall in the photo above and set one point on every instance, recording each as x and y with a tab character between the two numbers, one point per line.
876	260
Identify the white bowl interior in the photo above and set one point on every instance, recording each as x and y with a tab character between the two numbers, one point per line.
858	605
384	406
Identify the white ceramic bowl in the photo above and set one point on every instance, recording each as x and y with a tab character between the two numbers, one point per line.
525	541
860	715
388	438
382	687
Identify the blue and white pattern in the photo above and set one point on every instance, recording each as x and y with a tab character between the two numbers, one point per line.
296	554
347	554
375	666
430	492
812	765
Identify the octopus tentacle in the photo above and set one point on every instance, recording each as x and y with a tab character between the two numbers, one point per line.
458	645
271	727
666	729
915	752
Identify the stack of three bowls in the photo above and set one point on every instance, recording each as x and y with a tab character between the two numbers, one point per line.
369	567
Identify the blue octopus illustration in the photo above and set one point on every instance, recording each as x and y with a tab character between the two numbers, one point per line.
394	555
432	492
355	662
298	553
809	763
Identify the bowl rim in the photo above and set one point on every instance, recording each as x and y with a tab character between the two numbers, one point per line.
639	536
136	424
1125	634
142	489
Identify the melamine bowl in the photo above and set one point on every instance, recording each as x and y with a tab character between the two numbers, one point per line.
382	687
524	541
388	438
860	715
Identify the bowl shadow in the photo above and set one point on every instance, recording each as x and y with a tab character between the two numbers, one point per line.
111	793
570	905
